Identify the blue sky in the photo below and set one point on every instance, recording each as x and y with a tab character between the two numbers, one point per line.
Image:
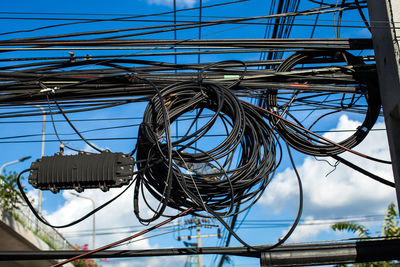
340	194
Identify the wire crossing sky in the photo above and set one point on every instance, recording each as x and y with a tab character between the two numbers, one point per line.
246	112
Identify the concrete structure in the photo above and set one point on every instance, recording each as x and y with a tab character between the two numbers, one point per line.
14	236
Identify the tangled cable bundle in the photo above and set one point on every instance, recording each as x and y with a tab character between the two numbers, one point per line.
180	174
299	138
201	148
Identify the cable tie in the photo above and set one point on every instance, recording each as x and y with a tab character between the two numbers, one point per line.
62	146
204	94
72	58
49	90
88	57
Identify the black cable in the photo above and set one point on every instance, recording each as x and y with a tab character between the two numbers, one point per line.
363	171
339	21
213	193
224	180
228	238
302	141
362	15
55	128
290	231
43	220
187	97
76	131
182	26
115	19
167	187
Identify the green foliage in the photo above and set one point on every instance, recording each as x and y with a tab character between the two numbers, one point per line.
390	230
10	197
351	227
46	239
390	224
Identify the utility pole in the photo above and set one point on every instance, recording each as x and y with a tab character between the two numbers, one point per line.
199	242
42	152
200	223
384	15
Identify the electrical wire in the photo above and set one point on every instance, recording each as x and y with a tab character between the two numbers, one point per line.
44	221
302	141
123	240
186	173
258	150
114	19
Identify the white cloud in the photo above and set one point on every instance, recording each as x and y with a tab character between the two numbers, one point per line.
309	230
86	148
343	192
90	149
33	196
179	3
117	214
